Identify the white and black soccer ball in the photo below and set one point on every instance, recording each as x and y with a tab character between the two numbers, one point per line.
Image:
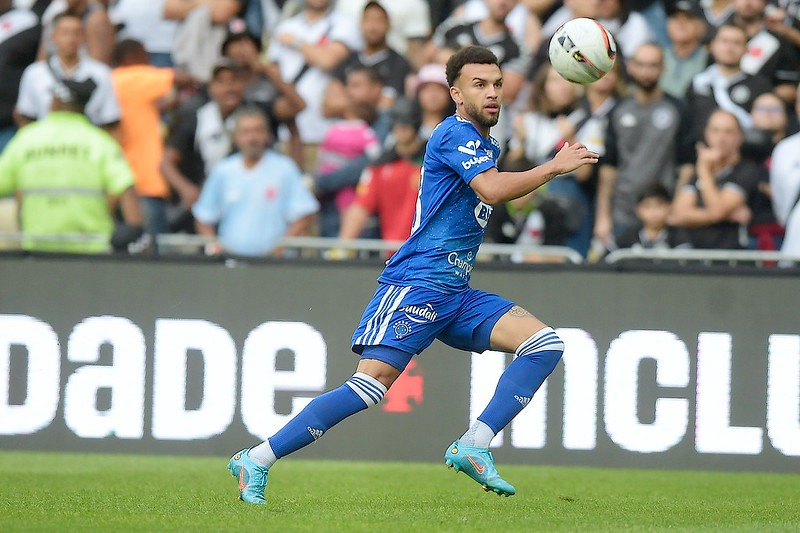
582	50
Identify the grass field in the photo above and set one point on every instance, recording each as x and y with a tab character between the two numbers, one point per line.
81	492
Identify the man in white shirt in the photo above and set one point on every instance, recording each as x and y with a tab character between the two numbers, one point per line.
36	86
306	48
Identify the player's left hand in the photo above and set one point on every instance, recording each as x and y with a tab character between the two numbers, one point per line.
572	156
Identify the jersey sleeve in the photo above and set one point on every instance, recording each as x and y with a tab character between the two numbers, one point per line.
466	152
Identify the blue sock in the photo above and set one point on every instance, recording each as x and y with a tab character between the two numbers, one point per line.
536	359
325	411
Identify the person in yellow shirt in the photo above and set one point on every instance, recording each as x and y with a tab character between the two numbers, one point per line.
69	177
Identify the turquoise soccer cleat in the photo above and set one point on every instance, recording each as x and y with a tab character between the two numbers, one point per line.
478	463
252	477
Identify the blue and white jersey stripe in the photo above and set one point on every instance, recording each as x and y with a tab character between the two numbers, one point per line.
378	324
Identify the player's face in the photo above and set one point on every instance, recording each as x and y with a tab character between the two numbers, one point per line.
723	134
251	136
478	92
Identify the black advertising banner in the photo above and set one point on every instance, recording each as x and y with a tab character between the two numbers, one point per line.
661	370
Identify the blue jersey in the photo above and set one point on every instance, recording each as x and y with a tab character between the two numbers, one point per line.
450	219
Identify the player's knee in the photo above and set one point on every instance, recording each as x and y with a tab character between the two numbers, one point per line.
545	347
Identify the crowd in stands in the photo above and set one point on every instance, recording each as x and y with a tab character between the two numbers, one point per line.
246	121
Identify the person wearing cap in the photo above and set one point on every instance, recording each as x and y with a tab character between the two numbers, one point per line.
433	94
69	177
201	138
36	85
388	188
686	56
393	67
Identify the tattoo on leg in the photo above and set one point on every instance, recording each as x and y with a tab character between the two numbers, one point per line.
518	311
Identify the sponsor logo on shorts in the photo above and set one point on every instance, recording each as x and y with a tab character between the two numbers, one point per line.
420	314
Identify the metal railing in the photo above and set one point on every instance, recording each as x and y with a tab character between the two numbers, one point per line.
706	257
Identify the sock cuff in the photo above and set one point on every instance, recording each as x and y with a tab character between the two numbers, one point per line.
367	387
546	339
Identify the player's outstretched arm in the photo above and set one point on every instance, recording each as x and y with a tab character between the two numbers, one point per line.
495	187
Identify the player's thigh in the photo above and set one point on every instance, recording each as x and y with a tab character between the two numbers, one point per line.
471	327
513	328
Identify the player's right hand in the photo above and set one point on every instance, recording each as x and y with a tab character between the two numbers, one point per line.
572	156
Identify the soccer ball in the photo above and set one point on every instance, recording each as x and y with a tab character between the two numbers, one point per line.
582	50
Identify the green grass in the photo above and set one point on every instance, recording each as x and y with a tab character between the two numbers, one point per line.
82	492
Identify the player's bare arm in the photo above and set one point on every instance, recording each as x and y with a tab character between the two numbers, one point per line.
495	187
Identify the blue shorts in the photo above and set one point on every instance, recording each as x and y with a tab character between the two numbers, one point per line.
410	318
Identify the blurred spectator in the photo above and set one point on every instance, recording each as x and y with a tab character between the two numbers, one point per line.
141	90
388	188
69	176
492	32
20	32
393	67
433	94
36	86
782	17
98	30
717	206
306	48
254	198
201	29
645	144
686	55
717	12
364	89
770	122
652	230
768	54
568	9
723	84
784	179
630	29
411	23
201	138
524	20
264	85
144	21
349	138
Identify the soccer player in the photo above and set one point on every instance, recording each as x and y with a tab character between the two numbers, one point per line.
428	279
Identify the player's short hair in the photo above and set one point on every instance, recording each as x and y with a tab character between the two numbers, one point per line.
468	55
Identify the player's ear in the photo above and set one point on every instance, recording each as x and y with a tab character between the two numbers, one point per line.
455	94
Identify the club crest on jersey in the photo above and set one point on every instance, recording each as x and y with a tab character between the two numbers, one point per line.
482	213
